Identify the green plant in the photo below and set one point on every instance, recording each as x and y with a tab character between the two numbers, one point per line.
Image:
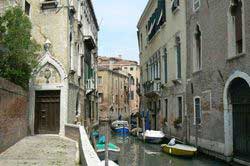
177	122
19	56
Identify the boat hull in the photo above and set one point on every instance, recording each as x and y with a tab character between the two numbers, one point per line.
113	155
153	140
173	150
121	130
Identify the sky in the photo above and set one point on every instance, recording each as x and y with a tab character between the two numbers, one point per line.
118	33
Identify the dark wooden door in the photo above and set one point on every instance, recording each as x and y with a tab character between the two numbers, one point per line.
47	112
240	98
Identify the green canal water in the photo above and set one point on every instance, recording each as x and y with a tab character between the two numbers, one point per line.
136	153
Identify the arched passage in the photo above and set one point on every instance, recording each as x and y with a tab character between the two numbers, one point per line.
237	115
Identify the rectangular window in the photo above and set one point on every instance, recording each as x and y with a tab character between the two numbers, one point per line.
178	58
197	50
180	107
27	8
131	68
99	80
166	110
100	97
165	57
132	95
238	28
196	4
197	107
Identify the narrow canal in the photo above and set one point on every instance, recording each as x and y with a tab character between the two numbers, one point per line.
136	153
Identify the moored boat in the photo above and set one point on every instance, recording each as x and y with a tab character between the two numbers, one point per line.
120	127
179	149
152	136
113	150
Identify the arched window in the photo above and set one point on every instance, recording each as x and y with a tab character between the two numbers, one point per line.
197	49
236	28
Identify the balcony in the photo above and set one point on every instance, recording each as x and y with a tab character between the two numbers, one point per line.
152	89
90	86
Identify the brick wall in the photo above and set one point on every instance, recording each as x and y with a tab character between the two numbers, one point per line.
13	114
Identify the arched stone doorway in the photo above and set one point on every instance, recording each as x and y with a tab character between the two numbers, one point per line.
239	93
237	116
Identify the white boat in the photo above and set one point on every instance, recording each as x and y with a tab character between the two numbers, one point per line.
152	136
120	126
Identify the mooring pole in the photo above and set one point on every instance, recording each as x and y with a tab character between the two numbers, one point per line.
106	145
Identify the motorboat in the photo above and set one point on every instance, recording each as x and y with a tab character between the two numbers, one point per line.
152	136
179	149
113	150
120	127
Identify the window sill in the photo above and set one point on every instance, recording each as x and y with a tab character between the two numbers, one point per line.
197	71
236	57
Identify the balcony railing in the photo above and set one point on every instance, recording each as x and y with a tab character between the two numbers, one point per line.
152	88
90	86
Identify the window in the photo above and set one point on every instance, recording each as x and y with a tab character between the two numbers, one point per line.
196	4
165	57
178	56
132	80
27	8
180	108
99	80
197	110
236	28
131	68
100	97
166	110
175	5
197	49
132	95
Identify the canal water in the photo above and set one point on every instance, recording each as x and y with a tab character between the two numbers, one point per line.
136	153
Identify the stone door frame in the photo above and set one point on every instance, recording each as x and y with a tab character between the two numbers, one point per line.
62	87
228	113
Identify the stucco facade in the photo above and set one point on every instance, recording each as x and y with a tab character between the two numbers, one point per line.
113	94
163	67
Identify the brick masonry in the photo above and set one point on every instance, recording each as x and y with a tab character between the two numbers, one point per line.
209	83
13	114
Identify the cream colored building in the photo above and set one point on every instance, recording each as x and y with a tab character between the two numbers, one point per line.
132	70
63	87
113	94
162	44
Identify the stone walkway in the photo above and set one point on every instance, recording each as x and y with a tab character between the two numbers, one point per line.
41	150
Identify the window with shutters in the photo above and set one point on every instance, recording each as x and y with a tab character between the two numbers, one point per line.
165	58
196	5
197	110
180	107
178	56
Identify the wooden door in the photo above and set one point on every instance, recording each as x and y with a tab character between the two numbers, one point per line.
240	99
47	112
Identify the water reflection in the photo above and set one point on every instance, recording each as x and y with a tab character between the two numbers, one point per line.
136	153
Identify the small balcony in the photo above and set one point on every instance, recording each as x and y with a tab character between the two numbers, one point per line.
90	86
152	88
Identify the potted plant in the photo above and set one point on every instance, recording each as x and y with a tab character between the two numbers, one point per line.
177	122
